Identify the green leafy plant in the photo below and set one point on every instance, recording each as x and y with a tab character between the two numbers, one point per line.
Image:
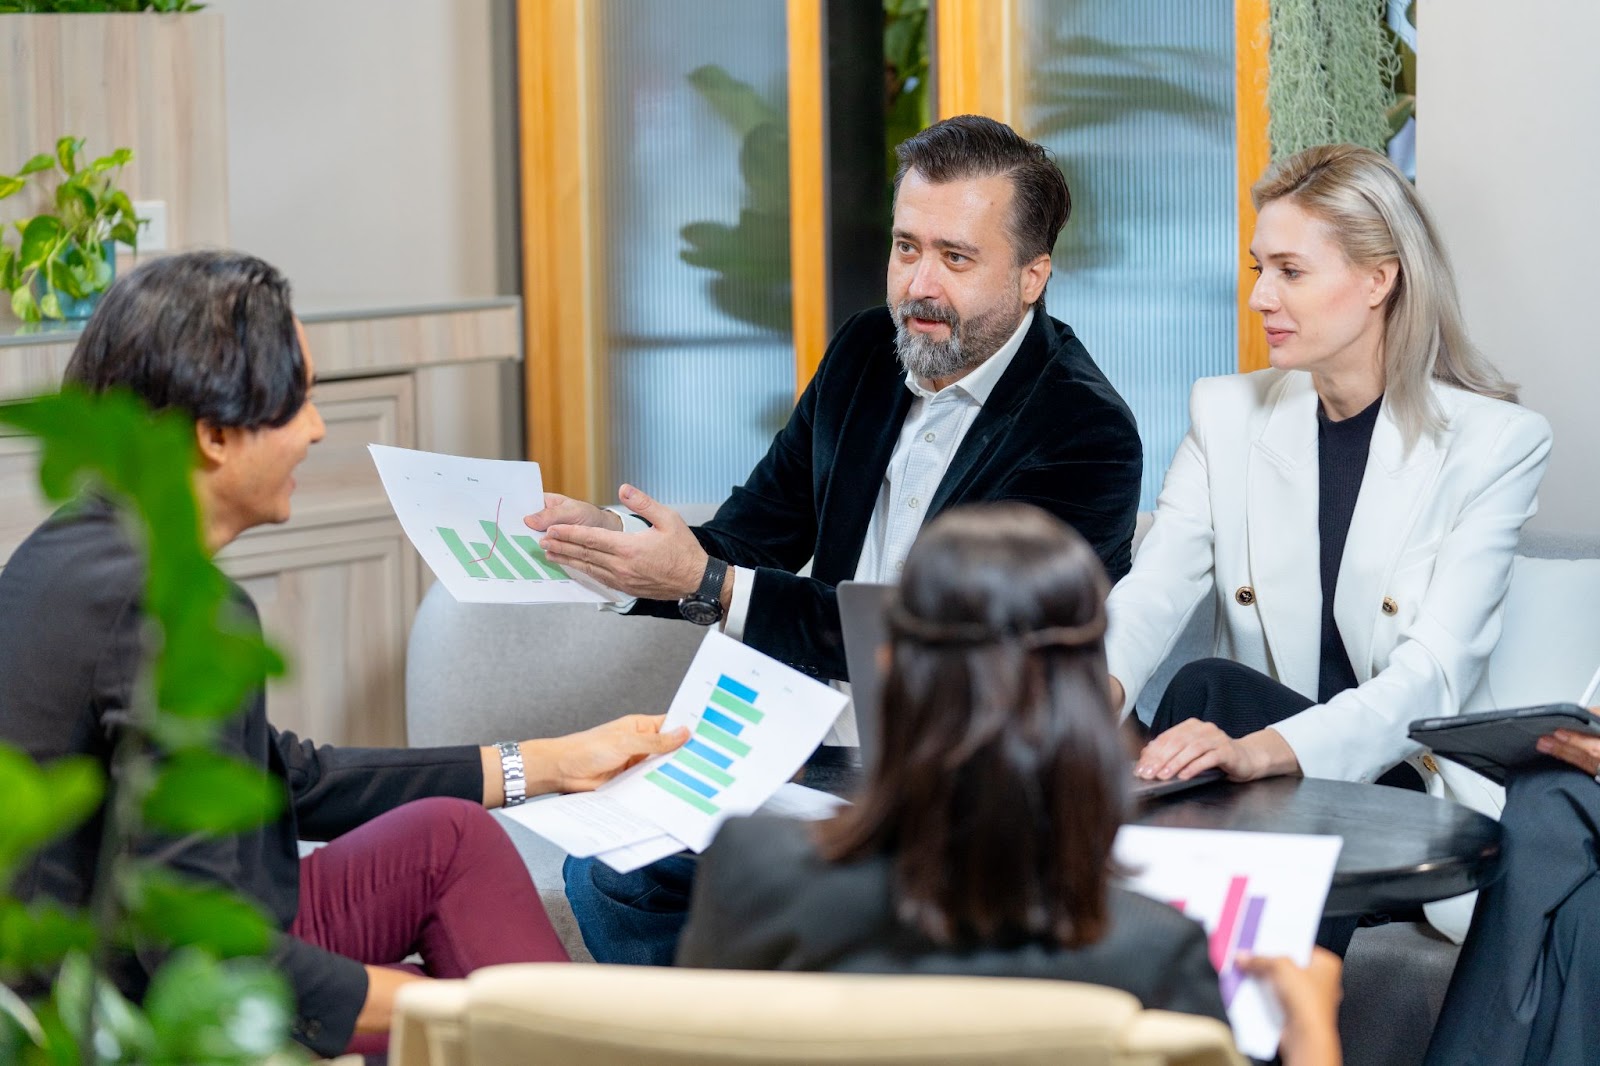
84	7
210	1001
906	69
68	249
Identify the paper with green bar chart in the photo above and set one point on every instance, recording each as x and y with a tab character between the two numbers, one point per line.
752	723
464	516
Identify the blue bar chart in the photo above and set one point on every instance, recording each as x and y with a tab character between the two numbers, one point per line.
704	766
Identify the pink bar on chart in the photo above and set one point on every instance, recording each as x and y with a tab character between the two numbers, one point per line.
1222	935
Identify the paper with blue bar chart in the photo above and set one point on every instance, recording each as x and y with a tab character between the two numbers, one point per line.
464	516
752	723
1256	892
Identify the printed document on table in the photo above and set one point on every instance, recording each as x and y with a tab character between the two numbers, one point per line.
465	518
1256	892
752	721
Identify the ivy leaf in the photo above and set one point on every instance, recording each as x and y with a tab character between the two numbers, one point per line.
74	198
201	1010
8	267
67	153
23	304
203	792
10	186
39	236
50	306
166	910
42	161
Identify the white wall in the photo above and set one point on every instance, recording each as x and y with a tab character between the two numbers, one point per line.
361	147
1508	147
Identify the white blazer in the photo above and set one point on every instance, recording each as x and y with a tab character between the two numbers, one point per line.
1421	584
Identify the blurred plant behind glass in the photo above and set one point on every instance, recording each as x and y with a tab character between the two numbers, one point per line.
751	257
210	1000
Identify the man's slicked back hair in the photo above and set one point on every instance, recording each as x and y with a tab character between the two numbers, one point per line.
972	146
210	334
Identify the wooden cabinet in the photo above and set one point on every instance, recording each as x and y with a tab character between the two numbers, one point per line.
338	584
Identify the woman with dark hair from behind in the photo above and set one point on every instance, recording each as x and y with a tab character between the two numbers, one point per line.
981	842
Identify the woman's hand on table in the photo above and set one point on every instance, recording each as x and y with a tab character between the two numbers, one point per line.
1192	747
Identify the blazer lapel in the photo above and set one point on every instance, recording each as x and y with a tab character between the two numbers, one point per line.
1394	490
866	442
1281	530
998	414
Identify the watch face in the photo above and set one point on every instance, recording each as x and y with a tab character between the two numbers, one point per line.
699	611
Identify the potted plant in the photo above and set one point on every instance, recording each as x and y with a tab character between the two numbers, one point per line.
64	258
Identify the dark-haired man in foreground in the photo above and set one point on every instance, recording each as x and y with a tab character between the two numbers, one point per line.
962	389
415	863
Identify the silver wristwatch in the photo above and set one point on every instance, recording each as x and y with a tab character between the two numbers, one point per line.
516	777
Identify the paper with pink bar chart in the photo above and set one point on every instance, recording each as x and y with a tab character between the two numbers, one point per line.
1256	892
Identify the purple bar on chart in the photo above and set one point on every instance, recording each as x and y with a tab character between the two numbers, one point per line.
1222	935
1231	977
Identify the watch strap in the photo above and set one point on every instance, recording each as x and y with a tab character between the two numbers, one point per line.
513	772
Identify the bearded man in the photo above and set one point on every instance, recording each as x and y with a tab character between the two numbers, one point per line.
961	390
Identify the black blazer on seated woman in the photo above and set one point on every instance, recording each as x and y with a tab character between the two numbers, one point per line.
764	900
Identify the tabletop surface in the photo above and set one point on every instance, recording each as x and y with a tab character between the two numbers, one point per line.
1401	848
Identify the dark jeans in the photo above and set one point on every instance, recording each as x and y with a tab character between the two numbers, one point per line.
1240	701
438	878
631	918
1526	987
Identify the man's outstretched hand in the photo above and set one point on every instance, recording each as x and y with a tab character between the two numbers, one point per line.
664	562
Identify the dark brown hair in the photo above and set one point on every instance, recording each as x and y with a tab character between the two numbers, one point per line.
208	333
972	146
1001	780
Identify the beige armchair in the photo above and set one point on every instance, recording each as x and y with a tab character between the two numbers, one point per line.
587	1015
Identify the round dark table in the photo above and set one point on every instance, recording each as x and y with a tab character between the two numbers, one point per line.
1401	848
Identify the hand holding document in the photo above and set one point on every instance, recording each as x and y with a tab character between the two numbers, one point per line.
753	722
465	518
1260	893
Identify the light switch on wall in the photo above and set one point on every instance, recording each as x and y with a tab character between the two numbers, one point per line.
153	227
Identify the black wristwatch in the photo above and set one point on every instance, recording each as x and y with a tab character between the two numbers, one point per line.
703	606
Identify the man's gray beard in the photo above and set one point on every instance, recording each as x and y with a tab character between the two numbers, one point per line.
970	343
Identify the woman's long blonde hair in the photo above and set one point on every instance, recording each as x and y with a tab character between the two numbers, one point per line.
1375	215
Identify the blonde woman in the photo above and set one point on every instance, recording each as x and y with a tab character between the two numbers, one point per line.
1349	515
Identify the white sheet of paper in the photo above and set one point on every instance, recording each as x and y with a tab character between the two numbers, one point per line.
585	823
1261	892
798	801
753	721
628	859
465	518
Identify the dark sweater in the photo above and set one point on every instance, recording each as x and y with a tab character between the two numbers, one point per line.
70	655
765	900
1341	464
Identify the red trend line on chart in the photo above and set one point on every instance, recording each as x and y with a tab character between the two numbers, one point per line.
496	541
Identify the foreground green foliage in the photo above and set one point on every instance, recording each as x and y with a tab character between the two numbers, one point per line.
211	1001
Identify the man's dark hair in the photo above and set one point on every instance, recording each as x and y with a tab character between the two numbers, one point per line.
972	146
1001	779
207	333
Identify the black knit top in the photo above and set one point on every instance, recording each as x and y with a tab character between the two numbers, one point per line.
1342	462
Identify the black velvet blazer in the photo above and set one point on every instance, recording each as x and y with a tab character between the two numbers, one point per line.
1053	433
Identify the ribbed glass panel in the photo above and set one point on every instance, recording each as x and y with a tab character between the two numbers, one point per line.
1136	100
696	388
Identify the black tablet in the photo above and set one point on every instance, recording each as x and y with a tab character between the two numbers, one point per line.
1496	741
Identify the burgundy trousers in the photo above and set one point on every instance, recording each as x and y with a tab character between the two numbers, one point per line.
437	878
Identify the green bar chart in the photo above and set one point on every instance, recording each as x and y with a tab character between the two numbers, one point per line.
508	557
